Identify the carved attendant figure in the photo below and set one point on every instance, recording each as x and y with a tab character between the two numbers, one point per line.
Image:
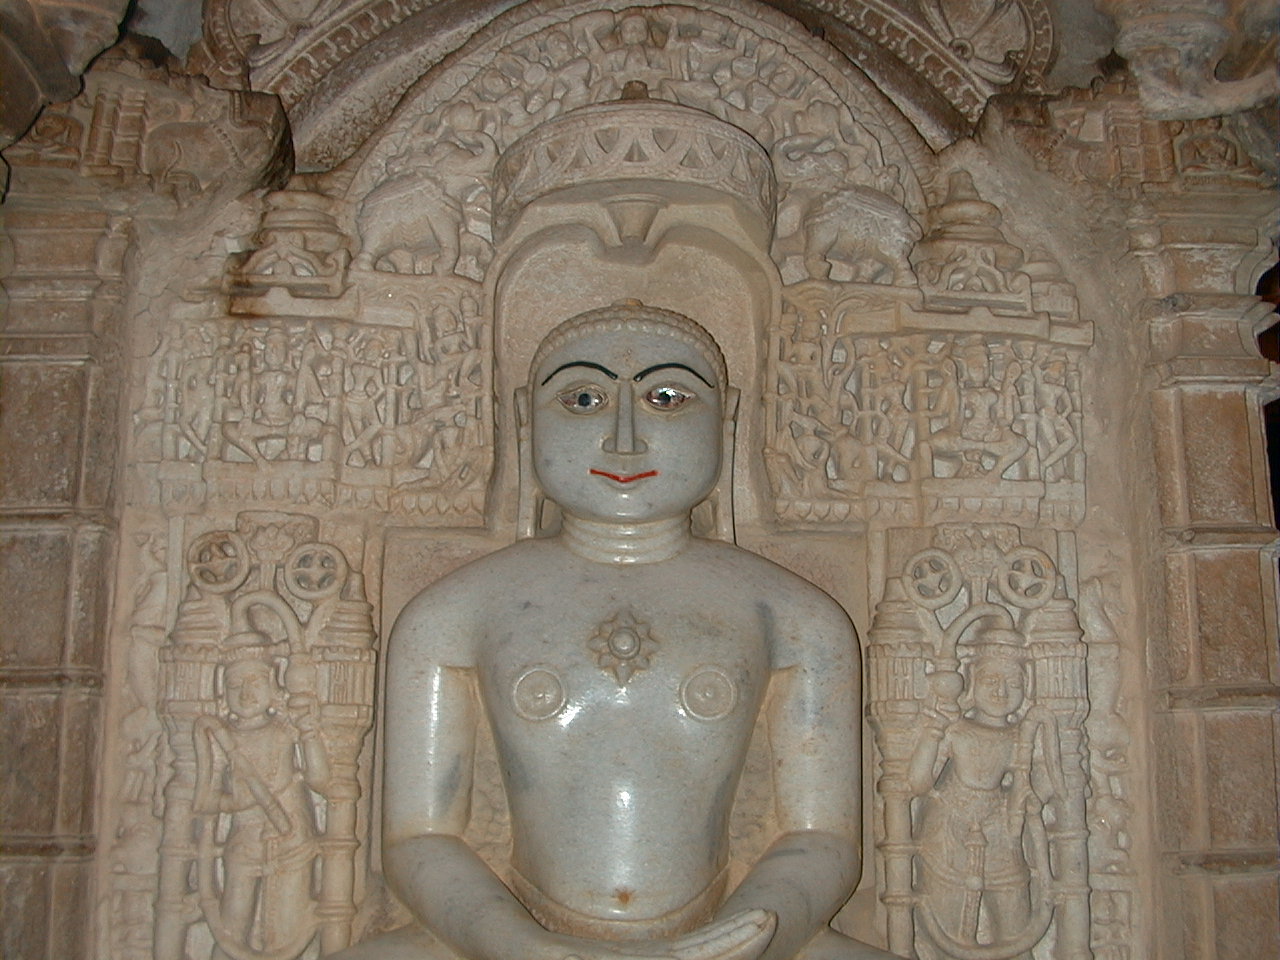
256	765
621	664
985	777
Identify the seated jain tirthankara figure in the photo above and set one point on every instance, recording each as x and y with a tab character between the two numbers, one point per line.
621	665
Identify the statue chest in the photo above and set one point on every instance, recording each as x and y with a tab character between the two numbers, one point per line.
614	672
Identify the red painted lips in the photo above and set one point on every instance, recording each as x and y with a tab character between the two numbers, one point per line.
629	478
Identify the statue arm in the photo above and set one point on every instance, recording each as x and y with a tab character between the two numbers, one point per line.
813	721
922	772
1047	778
432	713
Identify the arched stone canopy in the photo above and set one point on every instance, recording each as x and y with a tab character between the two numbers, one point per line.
338	77
814	68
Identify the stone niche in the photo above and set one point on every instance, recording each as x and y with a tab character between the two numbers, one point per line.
998	395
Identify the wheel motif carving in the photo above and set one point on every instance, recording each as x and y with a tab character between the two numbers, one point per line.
218	561
933	579
1027	578
315	571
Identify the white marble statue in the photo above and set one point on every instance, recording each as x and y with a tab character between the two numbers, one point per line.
621	664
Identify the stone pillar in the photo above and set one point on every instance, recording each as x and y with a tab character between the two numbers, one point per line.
1200	230
89	184
59	389
1215	692
1201	239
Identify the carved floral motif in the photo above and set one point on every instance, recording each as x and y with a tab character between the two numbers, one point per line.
623	645
996	39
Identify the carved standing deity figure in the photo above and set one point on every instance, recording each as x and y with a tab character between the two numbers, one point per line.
621	664
984	778
256	765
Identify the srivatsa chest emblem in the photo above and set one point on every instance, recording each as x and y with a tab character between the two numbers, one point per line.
623	645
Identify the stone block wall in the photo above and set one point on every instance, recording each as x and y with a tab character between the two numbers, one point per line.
60	376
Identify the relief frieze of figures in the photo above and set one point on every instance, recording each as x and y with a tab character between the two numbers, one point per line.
918	426
323	410
238	828
977	700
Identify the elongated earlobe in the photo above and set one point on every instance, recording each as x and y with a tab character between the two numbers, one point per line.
713	517
532	503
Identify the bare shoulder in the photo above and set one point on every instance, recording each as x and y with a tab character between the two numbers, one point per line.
440	622
797	607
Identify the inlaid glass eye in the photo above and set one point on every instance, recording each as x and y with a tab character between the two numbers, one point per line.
667	398
587	399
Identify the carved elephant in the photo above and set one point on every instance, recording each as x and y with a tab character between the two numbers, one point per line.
410	225
858	234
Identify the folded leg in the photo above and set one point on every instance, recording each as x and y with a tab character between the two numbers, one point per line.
829	945
406	943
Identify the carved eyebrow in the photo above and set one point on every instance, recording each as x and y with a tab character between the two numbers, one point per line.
678	366
580	363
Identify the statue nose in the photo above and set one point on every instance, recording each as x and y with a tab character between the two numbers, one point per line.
624	439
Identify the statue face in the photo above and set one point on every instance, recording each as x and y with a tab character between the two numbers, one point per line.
999	687
626	426
249	689
633	30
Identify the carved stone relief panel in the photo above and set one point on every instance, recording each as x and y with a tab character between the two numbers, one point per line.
923	370
132	853
239	817
967	51
870	419
977	698
1101	135
391	416
323	58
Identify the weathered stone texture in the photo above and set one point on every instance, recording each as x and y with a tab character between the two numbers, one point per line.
1247	919
42	416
